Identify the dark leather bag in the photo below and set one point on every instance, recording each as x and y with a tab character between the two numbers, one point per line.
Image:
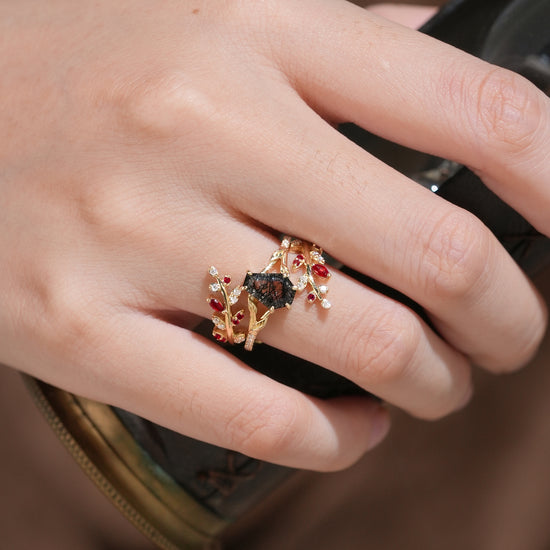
183	493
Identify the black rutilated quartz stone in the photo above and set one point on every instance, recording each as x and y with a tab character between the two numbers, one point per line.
271	289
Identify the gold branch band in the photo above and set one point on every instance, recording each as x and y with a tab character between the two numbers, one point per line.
270	289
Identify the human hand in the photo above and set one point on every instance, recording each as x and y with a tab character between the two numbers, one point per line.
411	15
142	143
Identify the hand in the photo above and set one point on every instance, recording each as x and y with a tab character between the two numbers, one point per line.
413	16
143	142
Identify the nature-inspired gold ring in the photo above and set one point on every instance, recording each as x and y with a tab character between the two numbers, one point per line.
272	288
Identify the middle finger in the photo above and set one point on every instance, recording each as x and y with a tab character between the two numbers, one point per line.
376	342
378	222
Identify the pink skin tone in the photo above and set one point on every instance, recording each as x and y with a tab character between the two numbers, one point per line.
141	145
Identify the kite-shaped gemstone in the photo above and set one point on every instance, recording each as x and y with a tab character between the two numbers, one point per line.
271	289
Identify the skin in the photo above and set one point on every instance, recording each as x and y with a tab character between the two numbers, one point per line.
142	144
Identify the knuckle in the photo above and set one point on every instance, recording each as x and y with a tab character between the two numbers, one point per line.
507	110
68	321
263	427
452	400
120	212
535	332
530	341
526	341
382	346
164	105
455	256
56	312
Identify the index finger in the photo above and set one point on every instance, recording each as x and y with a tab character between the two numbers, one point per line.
417	91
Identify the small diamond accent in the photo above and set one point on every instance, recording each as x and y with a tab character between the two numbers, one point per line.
323	289
326	304
233	300
302	282
285	243
214	287
239	338
213	271
316	257
219	323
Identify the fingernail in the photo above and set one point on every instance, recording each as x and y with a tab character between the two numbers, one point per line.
380	425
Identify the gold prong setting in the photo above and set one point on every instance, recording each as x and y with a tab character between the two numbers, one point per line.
272	287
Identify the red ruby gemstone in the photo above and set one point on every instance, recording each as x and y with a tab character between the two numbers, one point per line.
298	260
227	280
311	297
218	336
240	316
320	270
216	305
236	321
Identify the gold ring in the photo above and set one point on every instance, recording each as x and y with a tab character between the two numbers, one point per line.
272	288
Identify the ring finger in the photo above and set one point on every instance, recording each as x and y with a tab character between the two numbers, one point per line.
376	342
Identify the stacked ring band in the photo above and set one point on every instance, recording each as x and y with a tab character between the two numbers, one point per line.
268	290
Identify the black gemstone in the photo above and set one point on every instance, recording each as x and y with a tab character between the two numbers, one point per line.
271	289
